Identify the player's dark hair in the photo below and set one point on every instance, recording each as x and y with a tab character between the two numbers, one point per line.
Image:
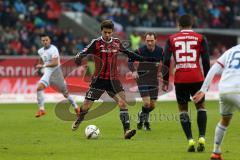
107	24
150	34
185	21
45	35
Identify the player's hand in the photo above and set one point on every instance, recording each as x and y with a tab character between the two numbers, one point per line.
39	66
198	96
77	59
165	86
135	75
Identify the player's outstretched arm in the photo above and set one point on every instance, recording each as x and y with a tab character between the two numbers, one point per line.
135	57
77	59
132	55
198	96
54	62
89	49
216	68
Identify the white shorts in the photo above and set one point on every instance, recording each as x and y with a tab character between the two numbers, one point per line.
55	79
229	103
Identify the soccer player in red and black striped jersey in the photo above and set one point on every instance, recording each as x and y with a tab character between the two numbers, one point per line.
105	50
187	47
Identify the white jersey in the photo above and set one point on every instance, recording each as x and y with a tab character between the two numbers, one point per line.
47	55
230	79
51	74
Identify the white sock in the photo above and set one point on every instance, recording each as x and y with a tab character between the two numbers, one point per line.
40	99
71	100
219	134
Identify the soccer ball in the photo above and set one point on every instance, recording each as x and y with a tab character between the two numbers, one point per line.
92	132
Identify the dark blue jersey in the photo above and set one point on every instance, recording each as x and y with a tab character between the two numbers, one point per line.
149	68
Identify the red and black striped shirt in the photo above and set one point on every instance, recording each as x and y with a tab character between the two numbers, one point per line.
105	56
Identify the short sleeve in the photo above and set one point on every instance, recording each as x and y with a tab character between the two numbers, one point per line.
39	52
54	52
222	59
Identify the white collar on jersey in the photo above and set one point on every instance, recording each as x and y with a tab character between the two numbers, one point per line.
106	41
186	30
47	47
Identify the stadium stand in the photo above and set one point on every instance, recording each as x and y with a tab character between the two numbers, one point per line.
22	20
163	13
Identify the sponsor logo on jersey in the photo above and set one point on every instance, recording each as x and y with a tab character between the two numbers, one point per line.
186	65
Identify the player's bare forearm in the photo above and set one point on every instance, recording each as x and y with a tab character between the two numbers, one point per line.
216	68
198	96
53	63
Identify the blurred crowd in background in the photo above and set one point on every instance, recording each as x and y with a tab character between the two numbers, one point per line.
163	13
21	21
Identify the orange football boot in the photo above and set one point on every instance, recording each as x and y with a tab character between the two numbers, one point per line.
216	156
40	113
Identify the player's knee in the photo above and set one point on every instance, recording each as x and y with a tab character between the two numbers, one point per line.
87	104
200	106
147	103
225	120
183	107
122	104
40	87
152	104
64	91
224	123
65	94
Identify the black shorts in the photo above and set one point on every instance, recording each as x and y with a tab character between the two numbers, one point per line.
148	89
185	90
99	86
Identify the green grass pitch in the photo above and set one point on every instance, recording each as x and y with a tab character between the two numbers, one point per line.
24	137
